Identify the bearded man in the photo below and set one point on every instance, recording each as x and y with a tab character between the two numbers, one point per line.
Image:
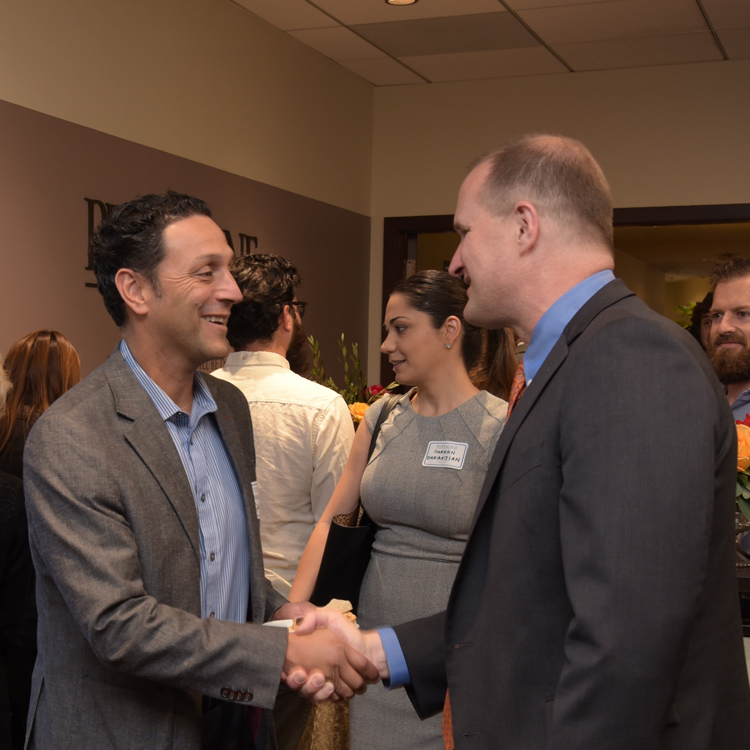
728	347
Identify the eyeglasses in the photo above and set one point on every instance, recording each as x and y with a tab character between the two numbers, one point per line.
300	308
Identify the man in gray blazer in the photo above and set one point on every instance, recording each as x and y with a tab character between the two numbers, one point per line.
596	603
143	528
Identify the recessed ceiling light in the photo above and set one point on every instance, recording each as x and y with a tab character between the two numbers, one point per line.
400	2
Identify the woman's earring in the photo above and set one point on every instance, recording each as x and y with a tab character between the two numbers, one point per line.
447	346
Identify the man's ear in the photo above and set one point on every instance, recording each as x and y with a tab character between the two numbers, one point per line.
527	225
134	290
286	319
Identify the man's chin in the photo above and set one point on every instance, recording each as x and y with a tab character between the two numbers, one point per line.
482	318
731	366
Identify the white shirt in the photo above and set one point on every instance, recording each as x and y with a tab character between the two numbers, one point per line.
303	434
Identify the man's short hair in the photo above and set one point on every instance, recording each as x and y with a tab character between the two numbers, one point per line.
729	270
131	236
558	175
267	283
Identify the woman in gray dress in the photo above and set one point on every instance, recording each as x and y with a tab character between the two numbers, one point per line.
422	482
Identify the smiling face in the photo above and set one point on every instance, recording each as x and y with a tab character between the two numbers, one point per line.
415	348
729	345
484	257
192	294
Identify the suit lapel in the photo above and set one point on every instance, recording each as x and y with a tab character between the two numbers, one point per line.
604	298
149	437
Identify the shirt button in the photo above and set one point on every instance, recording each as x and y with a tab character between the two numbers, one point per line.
212	614
203	497
212	556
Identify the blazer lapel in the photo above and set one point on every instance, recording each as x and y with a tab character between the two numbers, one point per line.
150	439
604	298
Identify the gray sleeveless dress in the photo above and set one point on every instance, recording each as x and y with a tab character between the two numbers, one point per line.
420	487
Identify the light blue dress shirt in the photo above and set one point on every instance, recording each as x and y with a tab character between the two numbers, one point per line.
224	547
545	335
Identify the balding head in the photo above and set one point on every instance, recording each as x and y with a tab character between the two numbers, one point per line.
559	176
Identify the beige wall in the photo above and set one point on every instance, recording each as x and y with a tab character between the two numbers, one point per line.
673	135
202	79
206	80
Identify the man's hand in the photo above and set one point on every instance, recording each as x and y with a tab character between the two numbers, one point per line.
367	642
323	666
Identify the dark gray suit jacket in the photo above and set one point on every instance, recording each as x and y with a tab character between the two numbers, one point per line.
596	604
124	657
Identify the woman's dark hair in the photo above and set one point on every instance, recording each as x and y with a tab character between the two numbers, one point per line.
41	367
488	355
700	311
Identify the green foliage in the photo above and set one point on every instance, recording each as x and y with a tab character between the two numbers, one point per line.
355	388
743	493
686	313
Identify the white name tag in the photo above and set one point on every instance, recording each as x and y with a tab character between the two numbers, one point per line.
447	455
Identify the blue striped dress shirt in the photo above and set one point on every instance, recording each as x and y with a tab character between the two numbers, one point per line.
224	548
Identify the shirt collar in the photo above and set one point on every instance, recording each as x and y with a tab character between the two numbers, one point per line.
551	325
238	359
203	401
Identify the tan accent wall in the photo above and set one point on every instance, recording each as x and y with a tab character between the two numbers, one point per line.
202	79
50	166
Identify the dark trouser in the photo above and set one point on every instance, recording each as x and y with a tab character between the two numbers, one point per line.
226	726
290	715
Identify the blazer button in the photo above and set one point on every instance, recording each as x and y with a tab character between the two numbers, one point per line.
225	692
232	695
248	696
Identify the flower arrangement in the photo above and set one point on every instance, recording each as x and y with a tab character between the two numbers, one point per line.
357	394
743	464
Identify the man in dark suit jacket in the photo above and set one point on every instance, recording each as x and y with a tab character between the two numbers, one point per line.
596	603
143	527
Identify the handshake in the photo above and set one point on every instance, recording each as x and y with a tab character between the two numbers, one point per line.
327	656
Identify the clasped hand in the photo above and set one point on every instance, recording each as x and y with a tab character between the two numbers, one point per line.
327	657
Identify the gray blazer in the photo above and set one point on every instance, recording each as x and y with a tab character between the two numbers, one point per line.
124	656
596	603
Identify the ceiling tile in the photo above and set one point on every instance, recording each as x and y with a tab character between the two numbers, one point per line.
623	19
351	12
286	15
736	43
338	43
728	14
528	4
382	72
430	36
638	53
469	66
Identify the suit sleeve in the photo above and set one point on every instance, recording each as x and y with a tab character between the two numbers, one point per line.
636	531
125	578
423	644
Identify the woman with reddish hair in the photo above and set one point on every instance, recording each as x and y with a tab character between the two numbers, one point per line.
41	366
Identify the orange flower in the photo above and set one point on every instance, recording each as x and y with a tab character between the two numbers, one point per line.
743	447
358	412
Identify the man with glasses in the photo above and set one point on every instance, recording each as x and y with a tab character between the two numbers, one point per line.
303	431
